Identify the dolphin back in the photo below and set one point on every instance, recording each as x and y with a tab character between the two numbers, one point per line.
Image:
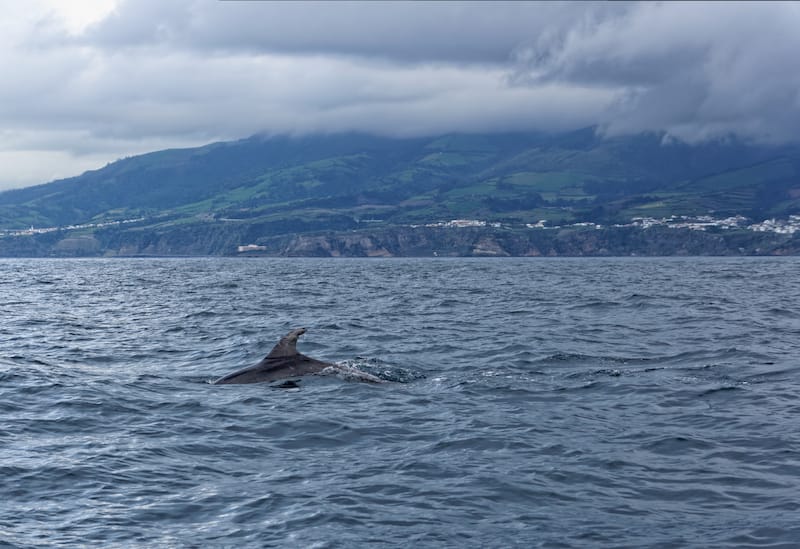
271	369
282	362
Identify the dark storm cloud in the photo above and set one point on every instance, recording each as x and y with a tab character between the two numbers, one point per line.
486	32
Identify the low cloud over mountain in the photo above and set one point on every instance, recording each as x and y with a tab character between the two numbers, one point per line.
145	75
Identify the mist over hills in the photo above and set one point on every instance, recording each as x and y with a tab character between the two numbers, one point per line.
272	190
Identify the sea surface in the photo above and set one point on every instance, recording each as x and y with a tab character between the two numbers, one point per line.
529	403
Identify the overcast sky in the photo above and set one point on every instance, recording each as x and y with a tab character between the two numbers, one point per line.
85	82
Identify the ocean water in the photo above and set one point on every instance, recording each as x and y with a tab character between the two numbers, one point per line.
529	403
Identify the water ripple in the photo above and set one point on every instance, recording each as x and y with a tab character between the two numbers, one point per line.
531	403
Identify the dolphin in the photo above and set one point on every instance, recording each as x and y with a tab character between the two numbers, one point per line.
283	361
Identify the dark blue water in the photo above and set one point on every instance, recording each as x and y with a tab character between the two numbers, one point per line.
535	403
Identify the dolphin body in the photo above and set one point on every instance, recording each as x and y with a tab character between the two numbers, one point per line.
284	362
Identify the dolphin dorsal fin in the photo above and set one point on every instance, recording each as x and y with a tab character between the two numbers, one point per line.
287	346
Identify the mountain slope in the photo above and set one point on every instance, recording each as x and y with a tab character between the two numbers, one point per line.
284	185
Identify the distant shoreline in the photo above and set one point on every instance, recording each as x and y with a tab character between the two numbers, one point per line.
222	240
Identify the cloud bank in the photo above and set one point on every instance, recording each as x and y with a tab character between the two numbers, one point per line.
149	74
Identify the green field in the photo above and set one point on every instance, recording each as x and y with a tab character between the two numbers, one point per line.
291	184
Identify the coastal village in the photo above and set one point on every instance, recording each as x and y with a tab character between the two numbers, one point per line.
85	226
698	223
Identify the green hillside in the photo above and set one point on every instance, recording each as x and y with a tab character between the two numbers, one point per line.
270	186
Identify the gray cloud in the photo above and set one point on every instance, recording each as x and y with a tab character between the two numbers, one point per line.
694	70
485	32
156	74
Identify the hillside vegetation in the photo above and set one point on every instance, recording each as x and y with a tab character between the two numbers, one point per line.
261	188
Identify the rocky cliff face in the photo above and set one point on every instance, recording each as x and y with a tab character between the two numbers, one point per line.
485	242
404	242
345	245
